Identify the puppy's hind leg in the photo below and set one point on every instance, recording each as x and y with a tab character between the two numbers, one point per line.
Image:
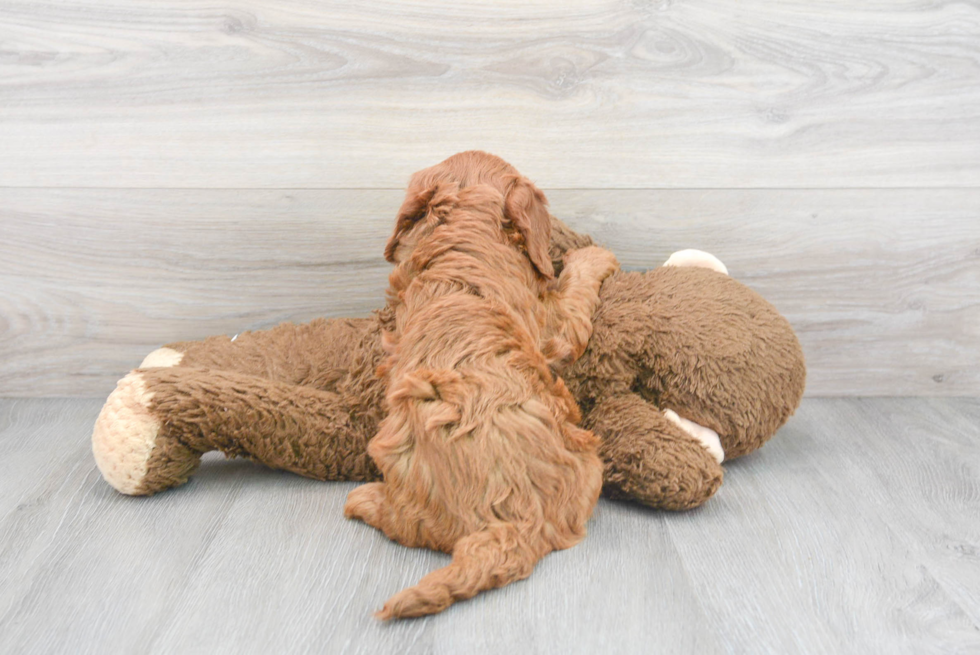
367	503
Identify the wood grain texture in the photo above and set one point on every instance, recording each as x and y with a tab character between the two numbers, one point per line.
883	287
583	94
856	529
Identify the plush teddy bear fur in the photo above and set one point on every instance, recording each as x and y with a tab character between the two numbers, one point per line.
305	398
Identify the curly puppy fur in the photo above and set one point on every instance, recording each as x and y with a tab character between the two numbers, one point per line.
480	453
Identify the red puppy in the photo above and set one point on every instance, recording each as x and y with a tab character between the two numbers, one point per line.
480	453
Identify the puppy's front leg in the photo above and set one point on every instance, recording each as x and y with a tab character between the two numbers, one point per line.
570	308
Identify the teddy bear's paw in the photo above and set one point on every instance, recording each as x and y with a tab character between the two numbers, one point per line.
125	434
132	452
162	358
708	437
696	258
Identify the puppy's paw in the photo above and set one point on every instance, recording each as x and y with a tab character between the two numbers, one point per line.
696	258
365	503
708	437
593	262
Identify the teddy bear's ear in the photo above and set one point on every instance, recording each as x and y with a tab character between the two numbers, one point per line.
527	209
420	202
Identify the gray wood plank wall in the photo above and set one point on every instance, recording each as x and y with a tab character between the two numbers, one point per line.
170	170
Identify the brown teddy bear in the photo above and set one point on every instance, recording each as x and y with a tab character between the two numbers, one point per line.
685	367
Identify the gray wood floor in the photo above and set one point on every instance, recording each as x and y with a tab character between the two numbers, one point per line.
856	530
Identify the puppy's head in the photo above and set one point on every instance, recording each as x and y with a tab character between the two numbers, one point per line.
433	192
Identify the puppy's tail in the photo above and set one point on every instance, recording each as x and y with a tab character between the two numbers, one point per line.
491	558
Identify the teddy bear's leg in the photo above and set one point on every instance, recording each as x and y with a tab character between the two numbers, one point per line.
648	458
311	353
158	422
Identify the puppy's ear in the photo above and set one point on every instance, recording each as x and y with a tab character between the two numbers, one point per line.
527	209
434	199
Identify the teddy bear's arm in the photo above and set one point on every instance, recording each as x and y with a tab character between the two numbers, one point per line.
158	422
648	458
569	308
